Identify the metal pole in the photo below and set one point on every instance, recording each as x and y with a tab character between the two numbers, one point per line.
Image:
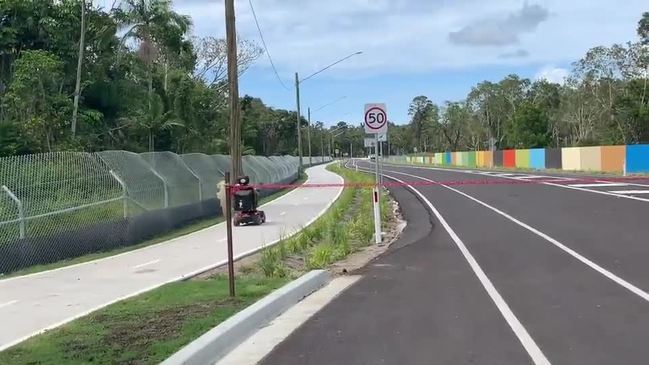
380	161
299	132
228	224
308	134
322	151
21	212
124	192
233	81
351	150
164	184
375	195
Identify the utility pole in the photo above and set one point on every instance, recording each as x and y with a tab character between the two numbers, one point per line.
77	87
308	134
299	132
233	81
351	150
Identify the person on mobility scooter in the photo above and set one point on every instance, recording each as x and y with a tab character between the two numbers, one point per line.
245	204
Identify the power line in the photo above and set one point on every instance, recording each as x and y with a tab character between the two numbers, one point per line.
261	35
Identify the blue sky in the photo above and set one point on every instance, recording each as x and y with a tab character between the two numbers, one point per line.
437	48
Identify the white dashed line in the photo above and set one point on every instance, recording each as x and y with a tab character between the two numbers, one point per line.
282	213
597	185
146	264
629	192
8	303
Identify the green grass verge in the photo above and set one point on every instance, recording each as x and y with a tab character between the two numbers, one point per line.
188	229
345	228
145	329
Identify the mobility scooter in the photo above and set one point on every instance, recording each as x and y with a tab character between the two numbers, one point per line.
245	204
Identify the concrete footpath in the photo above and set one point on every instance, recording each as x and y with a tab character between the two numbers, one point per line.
33	303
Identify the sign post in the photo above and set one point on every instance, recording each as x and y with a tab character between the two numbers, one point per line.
376	122
228	226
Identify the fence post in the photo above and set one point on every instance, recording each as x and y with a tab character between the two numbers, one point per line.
21	212
124	192
200	184
165	185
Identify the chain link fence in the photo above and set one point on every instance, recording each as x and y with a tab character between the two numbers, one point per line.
62	205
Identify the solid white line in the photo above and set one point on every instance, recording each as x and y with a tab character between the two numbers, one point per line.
618	280
597	185
282	213
146	264
523	336
223	239
629	192
8	303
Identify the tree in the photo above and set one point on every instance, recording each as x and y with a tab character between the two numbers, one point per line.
212	55
154	25
425	119
643	28
530	128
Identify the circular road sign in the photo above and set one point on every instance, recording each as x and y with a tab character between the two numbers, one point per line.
376	118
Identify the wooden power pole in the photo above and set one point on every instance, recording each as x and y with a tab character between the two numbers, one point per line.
233	81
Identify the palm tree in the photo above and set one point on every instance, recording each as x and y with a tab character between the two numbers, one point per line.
155	26
153	121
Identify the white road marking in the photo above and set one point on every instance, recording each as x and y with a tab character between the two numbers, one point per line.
618	280
629	192
523	336
282	213
598	185
564	186
11	302
146	264
223	239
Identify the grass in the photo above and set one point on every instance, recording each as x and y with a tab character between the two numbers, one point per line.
145	329
188	229
345	228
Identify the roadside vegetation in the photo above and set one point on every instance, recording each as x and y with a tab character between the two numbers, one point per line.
148	328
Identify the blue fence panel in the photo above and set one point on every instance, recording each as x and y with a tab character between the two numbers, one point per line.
637	158
447	158
537	158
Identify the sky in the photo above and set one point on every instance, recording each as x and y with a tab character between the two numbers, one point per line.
437	48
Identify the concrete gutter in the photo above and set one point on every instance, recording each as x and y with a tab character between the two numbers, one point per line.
220	340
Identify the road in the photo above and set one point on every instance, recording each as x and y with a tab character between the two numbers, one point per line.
33	303
494	269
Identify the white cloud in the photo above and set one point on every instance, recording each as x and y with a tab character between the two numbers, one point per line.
552	74
411	36
498	30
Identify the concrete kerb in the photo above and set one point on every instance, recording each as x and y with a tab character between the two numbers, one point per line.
215	344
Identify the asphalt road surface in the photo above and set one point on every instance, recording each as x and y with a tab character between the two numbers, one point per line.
33	303
496	270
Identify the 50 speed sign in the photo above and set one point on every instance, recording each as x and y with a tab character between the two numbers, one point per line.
376	118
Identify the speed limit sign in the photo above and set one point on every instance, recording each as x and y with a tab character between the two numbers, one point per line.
376	118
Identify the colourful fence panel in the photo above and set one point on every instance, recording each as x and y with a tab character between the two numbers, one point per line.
499	159
637	158
488	159
537	158
439	158
523	159
509	158
571	158
479	159
590	158
471	158
453	158
447	158
613	158
553	158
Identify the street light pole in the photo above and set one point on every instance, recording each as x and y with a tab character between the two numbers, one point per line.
299	116
308	134
297	97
